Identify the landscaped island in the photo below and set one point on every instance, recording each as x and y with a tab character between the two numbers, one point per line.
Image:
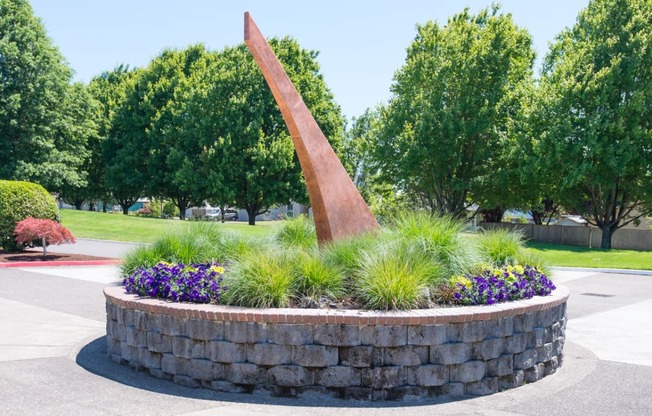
374	317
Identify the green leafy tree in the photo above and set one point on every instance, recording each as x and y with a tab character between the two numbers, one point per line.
125	149
172	153
357	148
109	91
594	111
381	195
447	125
246	155
38	142
77	134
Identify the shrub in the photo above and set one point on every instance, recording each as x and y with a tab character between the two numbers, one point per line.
199	283
20	200
145	211
168	210
501	285
261	280
297	232
44	232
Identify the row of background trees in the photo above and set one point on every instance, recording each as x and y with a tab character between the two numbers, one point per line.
468	123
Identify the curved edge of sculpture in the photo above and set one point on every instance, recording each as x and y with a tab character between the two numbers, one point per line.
338	208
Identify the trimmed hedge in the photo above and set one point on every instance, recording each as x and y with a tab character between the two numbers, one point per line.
20	200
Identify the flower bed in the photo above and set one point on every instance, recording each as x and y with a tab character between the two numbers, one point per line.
431	312
198	283
368	355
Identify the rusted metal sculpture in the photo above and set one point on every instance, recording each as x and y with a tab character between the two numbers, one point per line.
337	206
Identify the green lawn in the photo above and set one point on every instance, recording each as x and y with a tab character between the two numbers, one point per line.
118	227
571	256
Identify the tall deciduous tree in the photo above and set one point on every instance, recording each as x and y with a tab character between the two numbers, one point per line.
596	112
382	197
447	124
125	148
34	103
165	82
109	91
77	132
246	154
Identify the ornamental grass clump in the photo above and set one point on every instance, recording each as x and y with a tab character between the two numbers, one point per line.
316	278
501	246
198	283
262	280
500	285
439	236
296	233
346	254
396	277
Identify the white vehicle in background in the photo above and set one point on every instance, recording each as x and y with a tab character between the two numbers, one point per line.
215	214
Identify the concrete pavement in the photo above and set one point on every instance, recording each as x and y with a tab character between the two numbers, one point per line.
100	248
53	358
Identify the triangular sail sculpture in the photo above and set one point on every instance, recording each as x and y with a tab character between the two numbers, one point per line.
337	206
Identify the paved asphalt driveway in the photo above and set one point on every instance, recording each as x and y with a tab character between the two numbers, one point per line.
53	358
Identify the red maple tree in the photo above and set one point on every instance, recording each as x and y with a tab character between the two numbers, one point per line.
46	232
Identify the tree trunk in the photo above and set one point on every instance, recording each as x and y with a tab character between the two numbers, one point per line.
125	209
79	204
251	213
182	210
492	215
45	247
607	234
537	217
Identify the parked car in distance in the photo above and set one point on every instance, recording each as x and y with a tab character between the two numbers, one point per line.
215	214
230	215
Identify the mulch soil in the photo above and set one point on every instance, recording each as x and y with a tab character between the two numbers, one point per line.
37	256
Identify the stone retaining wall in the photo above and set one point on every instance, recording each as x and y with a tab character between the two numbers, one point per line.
362	355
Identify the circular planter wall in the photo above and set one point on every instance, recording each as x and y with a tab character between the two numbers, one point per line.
365	355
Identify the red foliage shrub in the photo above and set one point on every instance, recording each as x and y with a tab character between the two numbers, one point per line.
46	232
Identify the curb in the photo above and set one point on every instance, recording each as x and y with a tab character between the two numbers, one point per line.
604	270
108	262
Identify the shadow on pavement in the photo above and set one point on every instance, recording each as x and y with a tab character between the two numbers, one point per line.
93	358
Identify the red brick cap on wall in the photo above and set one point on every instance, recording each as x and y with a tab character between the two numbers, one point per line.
116	295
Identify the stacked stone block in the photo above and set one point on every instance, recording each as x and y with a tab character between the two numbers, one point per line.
364	362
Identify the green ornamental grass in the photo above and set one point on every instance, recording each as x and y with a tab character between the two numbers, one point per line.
263	279
501	247
440	236
346	254
396	277
317	278
296	233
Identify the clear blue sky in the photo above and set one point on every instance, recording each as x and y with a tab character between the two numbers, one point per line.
361	43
